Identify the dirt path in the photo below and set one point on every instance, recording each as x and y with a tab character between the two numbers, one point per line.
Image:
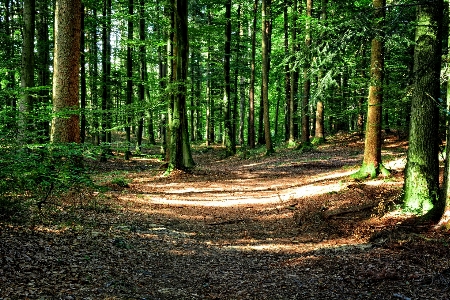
290	226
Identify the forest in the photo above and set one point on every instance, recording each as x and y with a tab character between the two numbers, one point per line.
224	149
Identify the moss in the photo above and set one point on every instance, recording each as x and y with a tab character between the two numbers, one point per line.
370	171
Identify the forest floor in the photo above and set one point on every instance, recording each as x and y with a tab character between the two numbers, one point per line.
287	226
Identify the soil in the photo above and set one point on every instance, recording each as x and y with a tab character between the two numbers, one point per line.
291	225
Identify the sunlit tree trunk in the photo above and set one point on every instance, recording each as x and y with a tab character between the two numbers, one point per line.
319	134
372	165
421	189
27	71
66	67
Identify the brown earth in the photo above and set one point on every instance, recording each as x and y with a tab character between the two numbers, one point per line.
288	226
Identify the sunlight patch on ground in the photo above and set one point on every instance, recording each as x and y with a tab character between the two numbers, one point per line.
302	247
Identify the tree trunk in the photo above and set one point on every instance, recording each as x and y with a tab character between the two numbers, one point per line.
65	124
83	78
251	112
180	156
27	71
43	64
229	139
143	78
306	76
293	104
129	99
421	189
287	77
266	19
372	165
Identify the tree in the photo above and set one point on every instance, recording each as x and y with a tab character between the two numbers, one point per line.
266	15
306	76
372	165
229	139
421	188
251	112
66	67
293	122
27	74
129	101
180	156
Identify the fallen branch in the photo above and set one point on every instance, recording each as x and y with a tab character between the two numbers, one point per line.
338	212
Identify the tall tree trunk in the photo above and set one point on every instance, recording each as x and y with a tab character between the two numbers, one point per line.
93	67
143	77
287	76
107	104
421	189
27	71
306	76
83	78
372	165
180	156
43	65
129	99
293	104
66	67
266	19
236	74
319	133
229	139
251	112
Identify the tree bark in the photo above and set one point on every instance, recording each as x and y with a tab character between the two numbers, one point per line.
266	17
421	189
66	67
27	71
306	76
180	156
229	139
372	165
251	112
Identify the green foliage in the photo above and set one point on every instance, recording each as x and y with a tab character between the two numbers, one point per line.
30	174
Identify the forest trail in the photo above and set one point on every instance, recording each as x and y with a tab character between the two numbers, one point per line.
288	226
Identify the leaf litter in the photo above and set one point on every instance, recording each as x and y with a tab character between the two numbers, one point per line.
287	226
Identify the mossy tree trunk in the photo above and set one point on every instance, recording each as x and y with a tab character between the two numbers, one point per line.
372	165
421	188
66	67
179	148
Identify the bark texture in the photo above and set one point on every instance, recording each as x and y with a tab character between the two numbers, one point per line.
421	189
66	67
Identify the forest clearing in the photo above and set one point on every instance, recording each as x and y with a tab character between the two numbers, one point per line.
287	226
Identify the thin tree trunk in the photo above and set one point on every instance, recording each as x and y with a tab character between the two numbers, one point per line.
83	78
229	139
27	71
372	165
266	17
251	117
287	77
306	76
293	104
129	99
